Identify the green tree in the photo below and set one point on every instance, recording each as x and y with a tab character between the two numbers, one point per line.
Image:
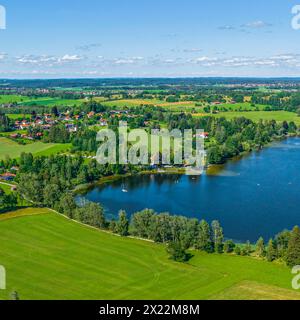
67	205
293	251
123	224
229	246
260	249
177	252
51	195
271	251
217	236
247	249
203	240
4	122
237	250
282	241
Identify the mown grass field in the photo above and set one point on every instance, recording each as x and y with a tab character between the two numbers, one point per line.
41	101
245	106
174	106
50	102
131	103
279	116
19	116
4	99
47	256
14	150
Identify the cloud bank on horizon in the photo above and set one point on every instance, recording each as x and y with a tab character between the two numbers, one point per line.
149	38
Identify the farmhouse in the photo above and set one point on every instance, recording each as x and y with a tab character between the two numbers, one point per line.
7	176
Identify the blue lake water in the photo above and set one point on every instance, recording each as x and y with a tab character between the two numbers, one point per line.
258	195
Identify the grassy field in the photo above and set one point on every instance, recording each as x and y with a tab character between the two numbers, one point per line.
41	101
5	187
50	102
260	115
18	116
13	98
175	106
131	103
47	256
245	106
14	150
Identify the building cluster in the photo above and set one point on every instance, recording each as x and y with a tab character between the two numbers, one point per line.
46	121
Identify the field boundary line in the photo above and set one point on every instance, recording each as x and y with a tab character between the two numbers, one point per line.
98	229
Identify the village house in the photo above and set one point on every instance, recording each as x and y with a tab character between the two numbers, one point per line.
71	127
203	135
7	176
14	136
103	123
91	114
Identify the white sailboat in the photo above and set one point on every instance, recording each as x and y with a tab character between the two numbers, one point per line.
124	189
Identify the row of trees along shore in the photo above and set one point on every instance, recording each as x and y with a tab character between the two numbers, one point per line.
181	233
44	181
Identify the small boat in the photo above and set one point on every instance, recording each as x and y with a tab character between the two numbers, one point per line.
124	190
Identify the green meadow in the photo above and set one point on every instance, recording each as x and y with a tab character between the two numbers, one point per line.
18	116
4	99
263	115
174	106
47	256
50	102
279	116
41	101
13	149
6	187
131	103
245	106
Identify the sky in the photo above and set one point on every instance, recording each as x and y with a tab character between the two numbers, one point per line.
149	38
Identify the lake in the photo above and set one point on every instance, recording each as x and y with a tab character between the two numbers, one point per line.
257	195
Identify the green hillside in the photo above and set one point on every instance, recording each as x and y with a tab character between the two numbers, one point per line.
13	149
49	257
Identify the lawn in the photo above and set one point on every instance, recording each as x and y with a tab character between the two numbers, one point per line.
14	150
260	115
47	256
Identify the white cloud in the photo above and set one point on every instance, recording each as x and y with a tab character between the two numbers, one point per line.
46	60
3	55
68	57
257	24
131	60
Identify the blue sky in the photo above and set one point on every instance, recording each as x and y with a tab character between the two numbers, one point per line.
148	38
